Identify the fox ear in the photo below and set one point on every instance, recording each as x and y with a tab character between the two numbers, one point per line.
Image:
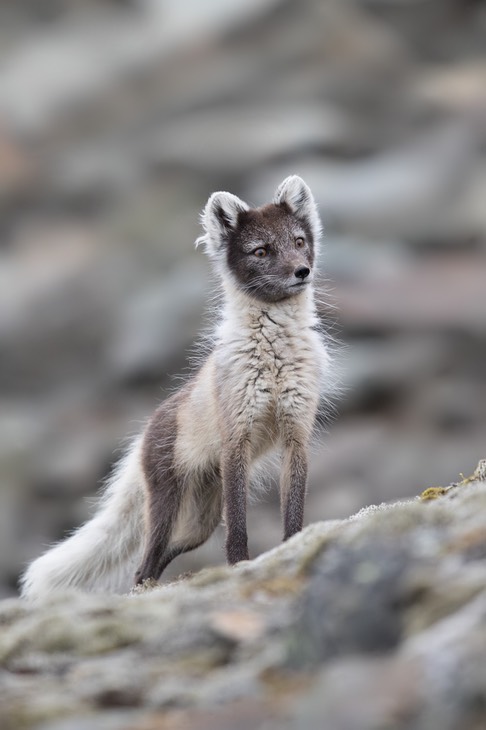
219	219
294	193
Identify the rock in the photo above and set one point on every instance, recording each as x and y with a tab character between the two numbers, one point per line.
453	88
18	169
366	583
252	136
54	72
430	295
367	621
414	191
383	691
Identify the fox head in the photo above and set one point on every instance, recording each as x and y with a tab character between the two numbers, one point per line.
269	252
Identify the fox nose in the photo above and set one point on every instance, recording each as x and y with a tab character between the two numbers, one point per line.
302	272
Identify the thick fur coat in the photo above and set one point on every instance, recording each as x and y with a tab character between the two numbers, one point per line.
258	390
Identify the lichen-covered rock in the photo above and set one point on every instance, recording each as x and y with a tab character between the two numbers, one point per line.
370	622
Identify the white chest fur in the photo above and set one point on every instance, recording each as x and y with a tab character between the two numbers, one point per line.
268	367
269	364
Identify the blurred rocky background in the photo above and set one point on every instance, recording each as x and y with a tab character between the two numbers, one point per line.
118	118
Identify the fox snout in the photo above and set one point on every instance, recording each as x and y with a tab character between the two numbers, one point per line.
302	272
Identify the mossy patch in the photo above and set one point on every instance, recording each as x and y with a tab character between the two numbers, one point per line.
434	493
478	475
83	635
280	585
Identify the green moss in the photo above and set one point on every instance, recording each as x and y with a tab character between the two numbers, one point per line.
478	475
434	493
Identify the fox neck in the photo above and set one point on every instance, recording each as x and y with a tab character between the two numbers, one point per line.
242	312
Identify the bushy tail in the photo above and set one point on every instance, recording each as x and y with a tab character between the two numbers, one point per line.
102	554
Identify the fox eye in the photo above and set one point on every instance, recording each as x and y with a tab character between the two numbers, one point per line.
260	253
299	242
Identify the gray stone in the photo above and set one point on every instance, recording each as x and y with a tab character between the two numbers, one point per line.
368	620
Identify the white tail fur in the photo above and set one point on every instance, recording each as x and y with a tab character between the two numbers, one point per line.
102	554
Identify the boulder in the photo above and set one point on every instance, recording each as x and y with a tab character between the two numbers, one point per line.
374	621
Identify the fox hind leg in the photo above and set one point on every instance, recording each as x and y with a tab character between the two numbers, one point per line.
179	525
164	501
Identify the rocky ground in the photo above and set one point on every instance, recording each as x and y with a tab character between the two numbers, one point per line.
118	119
377	621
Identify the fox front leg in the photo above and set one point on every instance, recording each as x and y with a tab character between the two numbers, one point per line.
235	466
293	486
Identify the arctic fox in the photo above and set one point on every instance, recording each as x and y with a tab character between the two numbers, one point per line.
258	389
